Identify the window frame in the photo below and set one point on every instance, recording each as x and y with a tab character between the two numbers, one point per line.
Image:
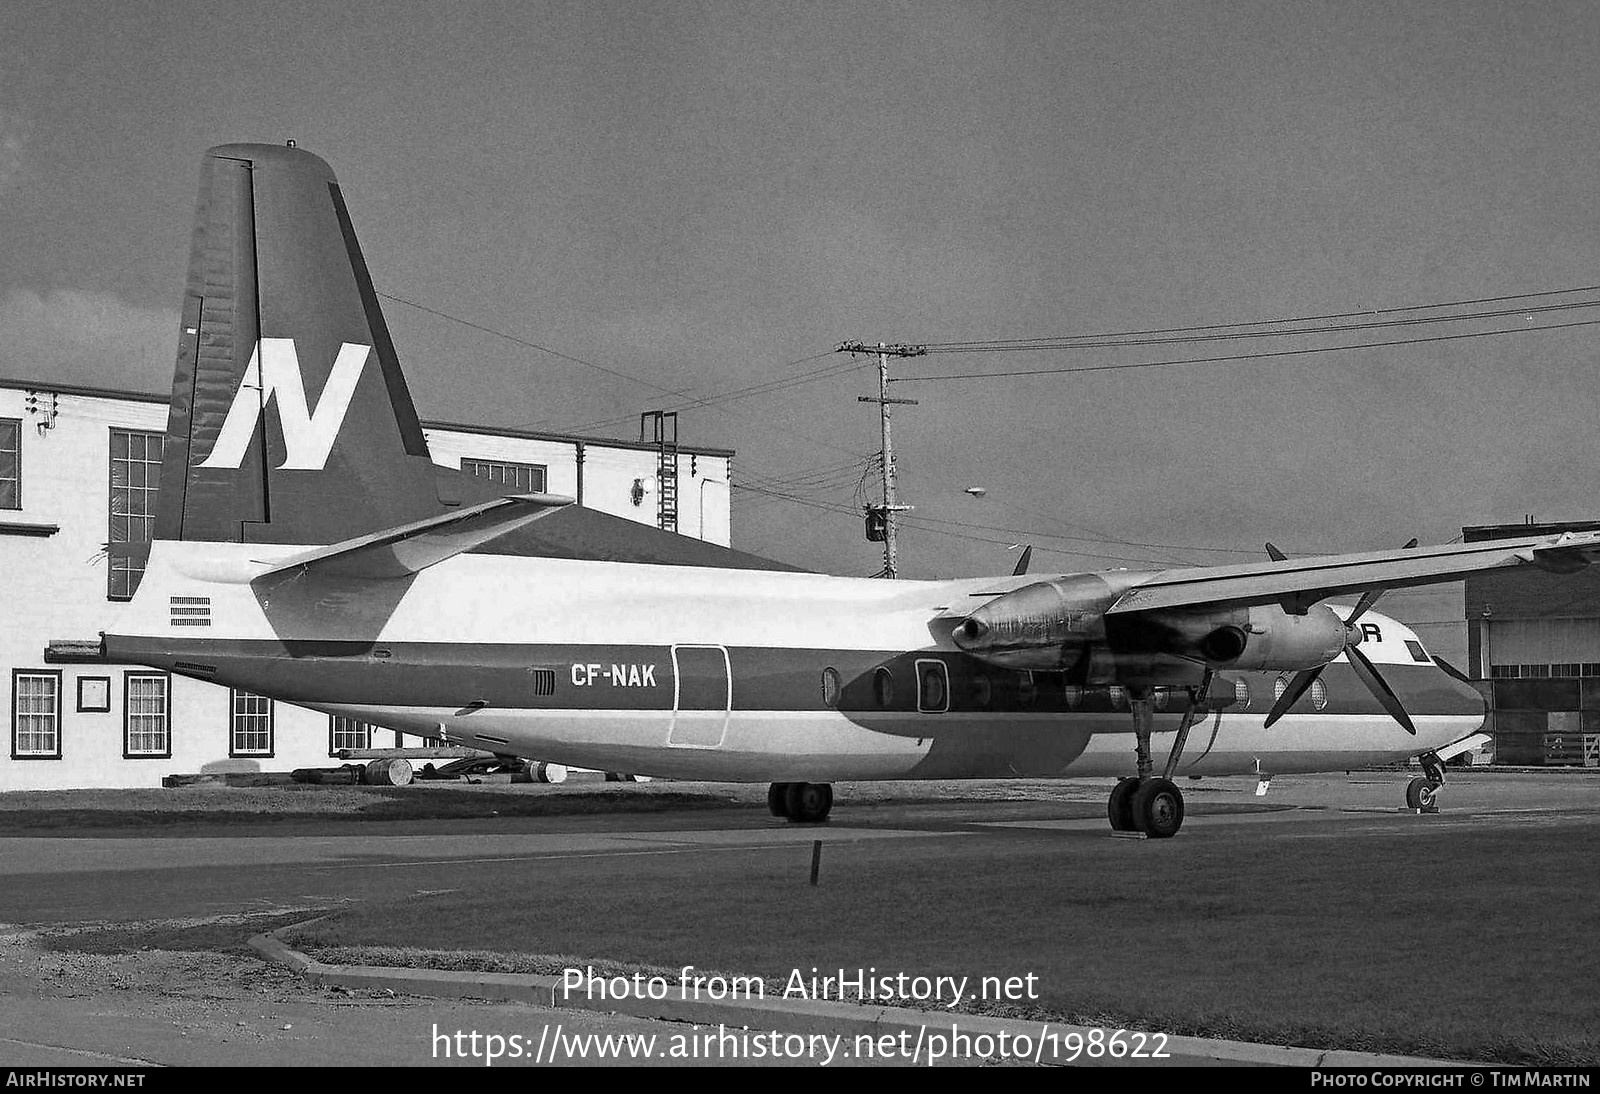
15	423
234	715
112	571
127	714
943	671
16	677
543	470
334	747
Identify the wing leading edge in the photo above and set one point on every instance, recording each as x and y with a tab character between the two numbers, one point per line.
1304	581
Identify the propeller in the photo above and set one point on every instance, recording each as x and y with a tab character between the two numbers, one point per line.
1364	669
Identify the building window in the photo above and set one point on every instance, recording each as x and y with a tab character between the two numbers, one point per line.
10	463
250	730
522	478
347	733
147	706
35	714
135	476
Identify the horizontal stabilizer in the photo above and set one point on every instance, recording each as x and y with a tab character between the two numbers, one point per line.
411	548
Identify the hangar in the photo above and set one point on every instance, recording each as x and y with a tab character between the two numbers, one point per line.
79	469
1534	640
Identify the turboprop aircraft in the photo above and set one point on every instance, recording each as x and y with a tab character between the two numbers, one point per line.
307	548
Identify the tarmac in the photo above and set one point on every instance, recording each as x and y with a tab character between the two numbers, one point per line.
153	1007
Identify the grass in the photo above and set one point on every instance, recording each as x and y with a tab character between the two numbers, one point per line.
1460	942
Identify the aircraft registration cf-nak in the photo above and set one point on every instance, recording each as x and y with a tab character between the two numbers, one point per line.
308	549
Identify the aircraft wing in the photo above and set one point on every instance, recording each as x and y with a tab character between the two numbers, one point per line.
1300	582
410	548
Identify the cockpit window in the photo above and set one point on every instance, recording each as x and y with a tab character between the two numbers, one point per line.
1417	652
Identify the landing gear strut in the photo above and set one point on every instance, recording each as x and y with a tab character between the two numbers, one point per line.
802	803
1147	803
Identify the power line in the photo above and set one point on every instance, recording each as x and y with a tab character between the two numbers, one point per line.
1239	332
1302	318
1243	356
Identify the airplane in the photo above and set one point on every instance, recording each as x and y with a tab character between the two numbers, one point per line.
307	548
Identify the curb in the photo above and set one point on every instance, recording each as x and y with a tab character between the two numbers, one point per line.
804	1016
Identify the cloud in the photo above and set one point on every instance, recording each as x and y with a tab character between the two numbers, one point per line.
97	339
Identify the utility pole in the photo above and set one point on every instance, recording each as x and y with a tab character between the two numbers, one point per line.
884	516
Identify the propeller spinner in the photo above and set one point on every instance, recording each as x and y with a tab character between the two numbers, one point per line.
1364	669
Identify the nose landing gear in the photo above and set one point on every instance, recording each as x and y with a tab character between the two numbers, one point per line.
1422	791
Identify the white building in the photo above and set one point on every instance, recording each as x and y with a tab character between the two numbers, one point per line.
79	469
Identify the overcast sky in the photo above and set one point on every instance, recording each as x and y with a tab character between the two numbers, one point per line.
702	195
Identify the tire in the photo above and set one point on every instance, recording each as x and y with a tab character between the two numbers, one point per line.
1120	806
1421	794
777	799
808	803
1158	808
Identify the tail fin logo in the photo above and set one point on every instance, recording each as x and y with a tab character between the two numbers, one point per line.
274	373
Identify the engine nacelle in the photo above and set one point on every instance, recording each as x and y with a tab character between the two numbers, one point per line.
1263	636
1043	626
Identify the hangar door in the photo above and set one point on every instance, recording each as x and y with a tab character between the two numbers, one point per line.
702	689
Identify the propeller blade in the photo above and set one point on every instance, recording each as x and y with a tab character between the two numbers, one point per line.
1022	563
1291	694
1276	555
1370	597
1380	689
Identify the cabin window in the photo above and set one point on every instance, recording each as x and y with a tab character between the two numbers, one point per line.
830	687
1072	695
1319	694
1160	698
1241	694
982	691
933	687
1280	684
1119	697
883	688
1027	691
147	712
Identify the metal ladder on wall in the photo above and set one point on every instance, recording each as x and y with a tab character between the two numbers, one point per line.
660	427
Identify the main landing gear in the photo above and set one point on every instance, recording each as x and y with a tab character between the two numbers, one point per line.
1146	803
803	803
1422	791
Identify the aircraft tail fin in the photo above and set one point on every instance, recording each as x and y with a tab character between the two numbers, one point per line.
290	420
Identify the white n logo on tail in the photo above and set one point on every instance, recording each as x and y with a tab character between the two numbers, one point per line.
274	373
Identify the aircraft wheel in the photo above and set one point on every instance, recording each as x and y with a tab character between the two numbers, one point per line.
1158	808
808	803
1422	795
1120	807
777	799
